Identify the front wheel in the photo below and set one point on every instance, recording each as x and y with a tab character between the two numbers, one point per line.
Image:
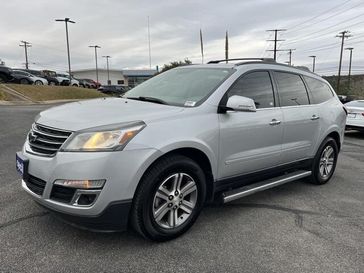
169	198
38	82
324	163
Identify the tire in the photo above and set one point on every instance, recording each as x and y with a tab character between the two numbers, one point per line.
155	194
74	85
24	81
325	161
38	83
3	78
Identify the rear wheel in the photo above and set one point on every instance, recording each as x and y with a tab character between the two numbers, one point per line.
169	198
324	162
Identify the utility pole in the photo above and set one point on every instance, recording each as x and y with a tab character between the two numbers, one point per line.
313	62
290	55
107	66
26	44
275	50
226	47
342	35
201	44
66	21
97	69
150	51
350	60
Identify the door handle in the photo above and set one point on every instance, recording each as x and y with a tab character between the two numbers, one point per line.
274	122
314	117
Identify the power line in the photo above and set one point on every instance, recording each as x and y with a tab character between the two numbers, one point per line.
306	37
313	22
316	16
26	44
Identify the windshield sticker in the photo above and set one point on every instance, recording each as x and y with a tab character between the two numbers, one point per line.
190	103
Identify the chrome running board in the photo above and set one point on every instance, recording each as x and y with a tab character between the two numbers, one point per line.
261	186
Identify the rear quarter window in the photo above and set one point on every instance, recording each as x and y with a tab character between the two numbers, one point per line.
320	91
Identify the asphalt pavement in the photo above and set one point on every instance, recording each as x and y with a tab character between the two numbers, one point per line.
297	227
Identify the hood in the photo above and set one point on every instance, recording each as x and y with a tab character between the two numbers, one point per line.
98	112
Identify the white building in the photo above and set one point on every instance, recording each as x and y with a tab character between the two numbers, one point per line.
125	77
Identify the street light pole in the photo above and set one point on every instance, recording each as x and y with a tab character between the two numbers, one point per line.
66	21
107	66
97	69
313	62
351	58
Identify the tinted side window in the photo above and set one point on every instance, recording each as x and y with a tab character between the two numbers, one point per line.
256	86
320	91
291	89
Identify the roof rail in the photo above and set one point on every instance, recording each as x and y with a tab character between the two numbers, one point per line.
270	60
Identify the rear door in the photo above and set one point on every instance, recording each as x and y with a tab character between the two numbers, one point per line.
300	118
251	141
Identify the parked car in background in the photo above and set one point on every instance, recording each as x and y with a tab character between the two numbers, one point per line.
5	74
35	79
355	118
22	77
113	89
51	80
343	98
90	83
65	78
86	83
186	137
50	73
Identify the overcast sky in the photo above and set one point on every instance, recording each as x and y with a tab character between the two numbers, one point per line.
120	28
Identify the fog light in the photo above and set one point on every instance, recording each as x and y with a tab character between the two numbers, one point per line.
81	184
86	199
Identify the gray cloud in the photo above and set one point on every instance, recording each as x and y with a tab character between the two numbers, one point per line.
120	28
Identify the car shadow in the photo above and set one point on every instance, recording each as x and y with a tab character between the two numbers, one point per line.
213	218
354	134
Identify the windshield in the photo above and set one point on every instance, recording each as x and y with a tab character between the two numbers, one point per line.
182	86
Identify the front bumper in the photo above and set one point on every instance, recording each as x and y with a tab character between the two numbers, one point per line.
122	171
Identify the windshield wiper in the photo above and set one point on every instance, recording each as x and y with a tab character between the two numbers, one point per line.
149	99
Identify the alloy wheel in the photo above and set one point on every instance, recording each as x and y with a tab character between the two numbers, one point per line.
327	161
174	200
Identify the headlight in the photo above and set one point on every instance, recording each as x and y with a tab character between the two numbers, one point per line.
103	138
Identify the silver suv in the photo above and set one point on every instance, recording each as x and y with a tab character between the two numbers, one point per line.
193	135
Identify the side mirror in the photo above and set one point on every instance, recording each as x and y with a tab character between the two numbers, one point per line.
240	104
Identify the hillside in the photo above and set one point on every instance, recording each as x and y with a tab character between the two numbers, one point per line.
357	85
46	93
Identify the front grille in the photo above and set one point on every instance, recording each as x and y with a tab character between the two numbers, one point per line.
46	141
62	194
35	184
